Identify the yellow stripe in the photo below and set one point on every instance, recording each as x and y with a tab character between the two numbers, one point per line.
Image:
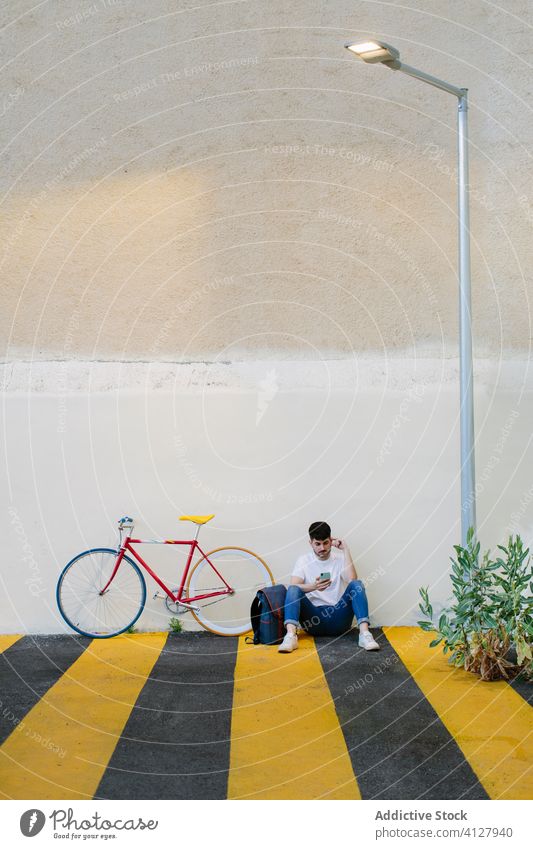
491	723
286	742
62	747
7	640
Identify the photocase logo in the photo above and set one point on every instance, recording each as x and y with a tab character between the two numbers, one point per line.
32	822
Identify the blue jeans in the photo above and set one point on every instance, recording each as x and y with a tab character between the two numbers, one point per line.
326	620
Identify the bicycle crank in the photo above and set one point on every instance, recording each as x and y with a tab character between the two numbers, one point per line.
176	607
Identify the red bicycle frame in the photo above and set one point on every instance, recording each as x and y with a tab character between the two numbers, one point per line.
178	598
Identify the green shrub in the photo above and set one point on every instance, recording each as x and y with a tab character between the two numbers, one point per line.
492	611
175	625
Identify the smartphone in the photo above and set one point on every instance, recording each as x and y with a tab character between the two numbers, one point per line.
325	576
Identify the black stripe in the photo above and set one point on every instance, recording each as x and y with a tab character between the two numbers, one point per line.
28	669
176	742
399	747
524	688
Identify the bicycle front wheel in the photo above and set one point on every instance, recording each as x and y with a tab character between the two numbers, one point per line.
244	572
79	587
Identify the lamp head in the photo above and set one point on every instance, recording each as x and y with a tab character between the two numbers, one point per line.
374	51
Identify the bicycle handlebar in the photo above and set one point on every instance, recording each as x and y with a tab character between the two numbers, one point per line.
125	522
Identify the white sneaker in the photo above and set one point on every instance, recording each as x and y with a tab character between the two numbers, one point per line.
290	643
367	641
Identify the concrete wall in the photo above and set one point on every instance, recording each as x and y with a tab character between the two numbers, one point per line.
228	255
373	451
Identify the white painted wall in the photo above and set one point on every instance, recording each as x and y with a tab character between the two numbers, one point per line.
372	450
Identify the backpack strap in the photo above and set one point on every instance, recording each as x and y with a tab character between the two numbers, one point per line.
255	615
275	598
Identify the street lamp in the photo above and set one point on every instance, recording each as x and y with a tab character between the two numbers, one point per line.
374	52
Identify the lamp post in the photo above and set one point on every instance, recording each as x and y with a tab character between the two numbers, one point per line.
378	52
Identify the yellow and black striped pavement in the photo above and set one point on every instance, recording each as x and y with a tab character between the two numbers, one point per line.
196	716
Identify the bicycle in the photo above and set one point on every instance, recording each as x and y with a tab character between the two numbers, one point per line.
102	592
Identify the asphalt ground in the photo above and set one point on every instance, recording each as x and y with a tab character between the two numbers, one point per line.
196	716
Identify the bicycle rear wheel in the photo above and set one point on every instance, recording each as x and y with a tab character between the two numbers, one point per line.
244	571
79	600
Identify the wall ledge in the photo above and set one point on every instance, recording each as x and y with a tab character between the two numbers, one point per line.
392	374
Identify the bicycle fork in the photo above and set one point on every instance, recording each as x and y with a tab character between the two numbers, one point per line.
115	570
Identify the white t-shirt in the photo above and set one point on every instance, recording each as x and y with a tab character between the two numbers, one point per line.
309	567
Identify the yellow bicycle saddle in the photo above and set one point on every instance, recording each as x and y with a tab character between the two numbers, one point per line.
199	520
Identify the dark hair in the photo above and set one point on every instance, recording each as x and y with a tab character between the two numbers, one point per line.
319	530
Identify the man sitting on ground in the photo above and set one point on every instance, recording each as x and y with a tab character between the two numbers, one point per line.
324	593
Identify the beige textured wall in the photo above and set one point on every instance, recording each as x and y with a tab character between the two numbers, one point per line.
192	181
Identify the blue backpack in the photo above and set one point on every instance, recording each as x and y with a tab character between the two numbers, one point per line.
267	615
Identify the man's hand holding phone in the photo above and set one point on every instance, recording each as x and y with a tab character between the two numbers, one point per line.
323	581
